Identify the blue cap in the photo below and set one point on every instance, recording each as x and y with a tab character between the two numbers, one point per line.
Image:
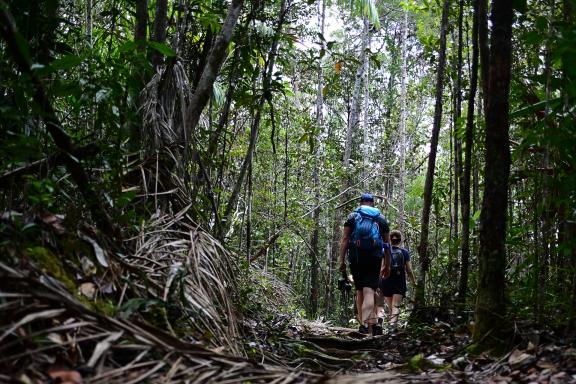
367	197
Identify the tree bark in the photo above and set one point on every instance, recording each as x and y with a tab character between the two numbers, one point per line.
316	175
356	95
469	141
216	58
483	48
141	30
403	113
491	298
89	22
428	184
160	25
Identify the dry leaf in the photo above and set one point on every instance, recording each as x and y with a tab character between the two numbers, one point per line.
55	221
88	266
338	67
98	251
88	290
65	377
518	358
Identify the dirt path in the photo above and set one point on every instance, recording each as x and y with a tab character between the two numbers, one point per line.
433	354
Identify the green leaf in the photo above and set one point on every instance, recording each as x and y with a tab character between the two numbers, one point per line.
65	62
128	46
162	48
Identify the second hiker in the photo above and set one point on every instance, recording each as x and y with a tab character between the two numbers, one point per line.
365	236
394	287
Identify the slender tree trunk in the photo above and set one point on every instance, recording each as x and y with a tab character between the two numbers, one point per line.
365	128
425	223
491	303
465	256
483	48
545	202
160	25
89	7
217	56
267	79
249	214
356	96
141	30
316	175
403	113
457	141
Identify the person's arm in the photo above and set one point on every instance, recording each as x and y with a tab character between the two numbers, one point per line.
387	259
343	248
410	273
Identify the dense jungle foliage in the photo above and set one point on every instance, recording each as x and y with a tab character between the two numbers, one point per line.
259	123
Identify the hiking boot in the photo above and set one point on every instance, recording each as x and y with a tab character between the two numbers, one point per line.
363	330
376	330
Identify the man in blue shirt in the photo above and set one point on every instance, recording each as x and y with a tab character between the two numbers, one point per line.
365	235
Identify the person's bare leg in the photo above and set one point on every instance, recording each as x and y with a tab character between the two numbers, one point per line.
396	299
367	305
388	300
359	299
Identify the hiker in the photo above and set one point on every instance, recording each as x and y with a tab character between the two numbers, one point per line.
394	287
365	236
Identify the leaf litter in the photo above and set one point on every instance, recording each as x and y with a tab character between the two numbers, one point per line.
173	319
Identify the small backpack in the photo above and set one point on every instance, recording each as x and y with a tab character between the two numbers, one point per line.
397	262
366	233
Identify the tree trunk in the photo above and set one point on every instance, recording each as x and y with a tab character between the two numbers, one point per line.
89	6
316	175
365	128
210	72
483	48
457	140
465	256
355	107
267	79
425	223
160	25
403	113
141	30
491	303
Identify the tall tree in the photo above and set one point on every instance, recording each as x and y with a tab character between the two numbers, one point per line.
160	25
215	59
469	142
403	113
354	117
491	303
428	184
258	108
141	29
316	170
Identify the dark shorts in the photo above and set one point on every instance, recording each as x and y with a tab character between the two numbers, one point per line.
365	269
393	285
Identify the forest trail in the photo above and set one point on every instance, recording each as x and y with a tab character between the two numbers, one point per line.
430	354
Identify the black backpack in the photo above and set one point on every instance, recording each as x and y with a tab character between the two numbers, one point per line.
397	262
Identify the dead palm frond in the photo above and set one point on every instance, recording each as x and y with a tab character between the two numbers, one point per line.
41	321
164	104
195	271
